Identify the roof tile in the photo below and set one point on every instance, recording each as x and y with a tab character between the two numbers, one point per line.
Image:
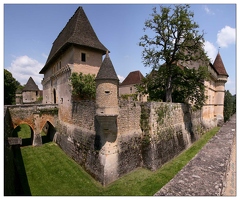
77	31
219	66
107	70
134	77
30	85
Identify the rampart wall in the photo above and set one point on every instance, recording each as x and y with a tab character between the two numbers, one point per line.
9	169
148	135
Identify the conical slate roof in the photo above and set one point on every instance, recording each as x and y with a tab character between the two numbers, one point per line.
107	70
219	66
77	31
30	86
134	77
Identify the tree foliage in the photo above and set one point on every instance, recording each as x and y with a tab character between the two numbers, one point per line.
229	105
173	39
83	85
188	86
10	87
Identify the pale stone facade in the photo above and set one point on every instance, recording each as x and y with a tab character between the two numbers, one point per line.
128	86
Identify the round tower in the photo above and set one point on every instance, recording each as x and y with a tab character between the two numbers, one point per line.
107	85
220	88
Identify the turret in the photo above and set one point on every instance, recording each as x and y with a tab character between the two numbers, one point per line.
107	84
220	88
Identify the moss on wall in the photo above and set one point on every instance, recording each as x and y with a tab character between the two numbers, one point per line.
49	111
144	123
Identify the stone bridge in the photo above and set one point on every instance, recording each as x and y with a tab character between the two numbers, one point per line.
39	117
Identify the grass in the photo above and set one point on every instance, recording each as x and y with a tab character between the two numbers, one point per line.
50	172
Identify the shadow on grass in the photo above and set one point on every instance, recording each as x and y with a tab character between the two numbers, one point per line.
21	183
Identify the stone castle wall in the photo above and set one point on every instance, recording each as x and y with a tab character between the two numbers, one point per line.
168	129
9	169
148	135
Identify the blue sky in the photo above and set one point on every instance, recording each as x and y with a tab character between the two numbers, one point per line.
30	30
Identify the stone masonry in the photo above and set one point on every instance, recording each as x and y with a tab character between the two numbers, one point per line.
205	174
143	135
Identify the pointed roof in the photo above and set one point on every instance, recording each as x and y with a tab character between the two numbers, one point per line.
134	77
30	86
77	31
107	70
219	66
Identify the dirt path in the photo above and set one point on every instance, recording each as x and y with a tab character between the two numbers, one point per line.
230	189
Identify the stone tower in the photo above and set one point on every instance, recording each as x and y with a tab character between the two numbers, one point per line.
76	49
107	110
220	88
107	84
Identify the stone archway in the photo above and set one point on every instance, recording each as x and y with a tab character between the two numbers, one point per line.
48	132
25	132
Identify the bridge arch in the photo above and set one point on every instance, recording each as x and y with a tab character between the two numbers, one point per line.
17	123
35	116
48	132
25	132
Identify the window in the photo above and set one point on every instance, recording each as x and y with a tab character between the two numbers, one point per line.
131	90
83	57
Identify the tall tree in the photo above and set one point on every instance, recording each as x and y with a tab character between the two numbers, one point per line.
228	105
174	40
10	87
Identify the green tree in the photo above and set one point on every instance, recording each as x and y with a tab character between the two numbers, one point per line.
188	86
10	87
174	40
228	105
83	85
234	103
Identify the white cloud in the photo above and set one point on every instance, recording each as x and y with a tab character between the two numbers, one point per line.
23	67
226	36
121	78
211	50
208	11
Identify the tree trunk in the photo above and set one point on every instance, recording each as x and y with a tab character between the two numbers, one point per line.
169	89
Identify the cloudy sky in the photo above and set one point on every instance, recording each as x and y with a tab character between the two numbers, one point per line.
30	30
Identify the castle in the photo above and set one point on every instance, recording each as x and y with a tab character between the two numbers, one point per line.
29	94
110	137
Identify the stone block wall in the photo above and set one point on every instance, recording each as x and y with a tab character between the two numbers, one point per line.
129	136
9	169
80	145
146	135
168	128
83	114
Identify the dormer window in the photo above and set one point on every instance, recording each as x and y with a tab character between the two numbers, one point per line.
83	57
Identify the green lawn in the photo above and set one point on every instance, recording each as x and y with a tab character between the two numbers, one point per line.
51	173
